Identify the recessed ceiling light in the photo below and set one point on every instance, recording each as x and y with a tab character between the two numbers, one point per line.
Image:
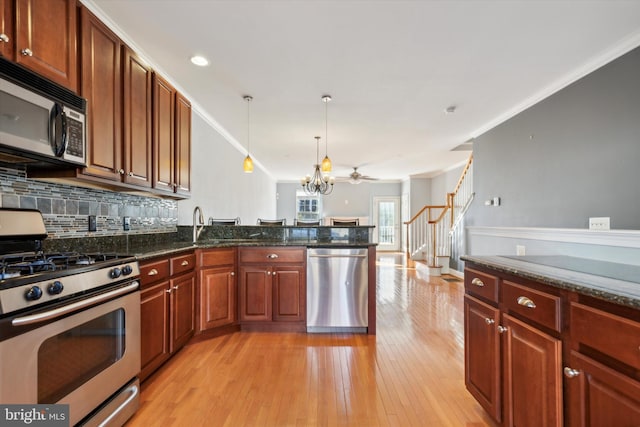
200	61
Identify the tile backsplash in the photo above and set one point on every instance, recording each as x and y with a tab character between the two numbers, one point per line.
66	208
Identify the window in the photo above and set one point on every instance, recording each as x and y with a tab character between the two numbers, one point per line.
308	208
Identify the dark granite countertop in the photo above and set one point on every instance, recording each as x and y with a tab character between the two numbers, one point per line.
617	283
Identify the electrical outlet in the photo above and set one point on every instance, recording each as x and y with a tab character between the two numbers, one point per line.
520	250
126	223
599	223
93	224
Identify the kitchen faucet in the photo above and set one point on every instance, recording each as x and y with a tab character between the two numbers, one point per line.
197	230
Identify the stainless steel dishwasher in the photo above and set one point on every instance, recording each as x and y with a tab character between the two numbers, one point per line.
337	290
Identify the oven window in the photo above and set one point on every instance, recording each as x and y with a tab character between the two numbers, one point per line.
68	360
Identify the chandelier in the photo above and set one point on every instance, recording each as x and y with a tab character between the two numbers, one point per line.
319	182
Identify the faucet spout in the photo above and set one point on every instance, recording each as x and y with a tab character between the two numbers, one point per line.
197	220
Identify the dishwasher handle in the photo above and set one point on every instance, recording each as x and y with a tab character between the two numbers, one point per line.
338	256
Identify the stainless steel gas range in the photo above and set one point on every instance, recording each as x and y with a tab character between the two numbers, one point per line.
69	325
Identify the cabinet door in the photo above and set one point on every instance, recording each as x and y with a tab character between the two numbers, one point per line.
289	294
532	376
154	327
217	297
163	135
6	28
600	396
101	86
482	355
46	39
183	303
255	294
183	145
137	120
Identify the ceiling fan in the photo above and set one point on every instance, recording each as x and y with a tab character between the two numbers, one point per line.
355	177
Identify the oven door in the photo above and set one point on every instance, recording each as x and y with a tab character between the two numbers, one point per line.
81	359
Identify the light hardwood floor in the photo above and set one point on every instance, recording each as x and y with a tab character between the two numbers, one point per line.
410	374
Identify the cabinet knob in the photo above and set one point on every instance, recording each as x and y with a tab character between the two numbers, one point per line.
502	329
570	373
4	38
272	256
130	174
232	273
168	291
185	262
526	302
176	288
26	52
477	282
175	185
152	272
489	321
121	171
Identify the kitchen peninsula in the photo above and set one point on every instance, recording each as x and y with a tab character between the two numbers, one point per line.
532	320
233	278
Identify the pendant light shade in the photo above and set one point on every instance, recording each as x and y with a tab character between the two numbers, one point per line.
247	165
326	162
319	183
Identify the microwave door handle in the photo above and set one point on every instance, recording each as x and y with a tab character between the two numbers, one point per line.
58	129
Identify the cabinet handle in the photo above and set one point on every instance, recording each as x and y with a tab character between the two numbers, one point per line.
26	52
489	321
4	38
502	329
152	272
477	282
272	256
570	373
185	262
526	302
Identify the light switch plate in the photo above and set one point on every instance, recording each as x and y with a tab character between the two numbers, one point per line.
599	223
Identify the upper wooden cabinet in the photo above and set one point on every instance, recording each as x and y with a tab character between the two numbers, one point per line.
6	28
171	139
45	39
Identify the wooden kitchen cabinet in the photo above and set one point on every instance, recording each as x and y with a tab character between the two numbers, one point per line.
602	372
6	28
272	286
45	39
218	291
167	294
171	139
513	360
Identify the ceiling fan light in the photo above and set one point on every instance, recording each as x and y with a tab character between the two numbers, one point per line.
326	164
247	165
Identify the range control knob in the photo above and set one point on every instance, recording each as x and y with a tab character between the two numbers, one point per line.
55	288
127	270
33	293
115	273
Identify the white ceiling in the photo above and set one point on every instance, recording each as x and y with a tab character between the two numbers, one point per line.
392	68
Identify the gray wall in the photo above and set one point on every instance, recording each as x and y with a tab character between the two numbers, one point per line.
345	200
219	185
444	183
570	157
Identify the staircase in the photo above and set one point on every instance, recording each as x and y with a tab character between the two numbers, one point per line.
429	231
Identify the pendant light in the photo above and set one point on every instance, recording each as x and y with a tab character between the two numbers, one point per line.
247	165
326	162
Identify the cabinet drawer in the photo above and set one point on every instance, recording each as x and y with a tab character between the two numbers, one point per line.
612	335
272	255
215	257
180	264
481	284
540	307
154	271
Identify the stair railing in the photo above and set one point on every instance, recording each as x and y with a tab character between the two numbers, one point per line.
429	231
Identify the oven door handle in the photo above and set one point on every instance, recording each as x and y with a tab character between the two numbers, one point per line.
52	314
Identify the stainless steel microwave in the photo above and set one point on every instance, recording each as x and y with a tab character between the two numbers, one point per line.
41	122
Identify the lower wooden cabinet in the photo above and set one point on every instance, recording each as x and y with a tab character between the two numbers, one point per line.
218	292
272	286
167	308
